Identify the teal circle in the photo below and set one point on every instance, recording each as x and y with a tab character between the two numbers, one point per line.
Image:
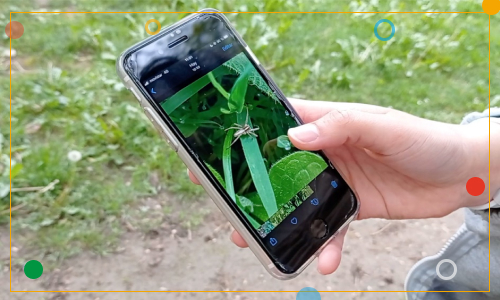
33	269
393	30
308	293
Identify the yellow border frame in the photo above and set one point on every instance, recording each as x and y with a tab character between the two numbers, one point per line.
489	158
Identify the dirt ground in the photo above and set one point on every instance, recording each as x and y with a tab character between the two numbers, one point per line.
377	256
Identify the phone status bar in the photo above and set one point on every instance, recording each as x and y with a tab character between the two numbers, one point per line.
214	43
192	65
191	60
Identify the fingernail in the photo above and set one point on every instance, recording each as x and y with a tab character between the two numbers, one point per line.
305	133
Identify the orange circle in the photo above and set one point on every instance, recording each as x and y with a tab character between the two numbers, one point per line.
147	27
491	7
17	29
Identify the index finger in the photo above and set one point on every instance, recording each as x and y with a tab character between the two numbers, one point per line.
310	111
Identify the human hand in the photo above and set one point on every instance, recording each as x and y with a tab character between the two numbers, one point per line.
399	165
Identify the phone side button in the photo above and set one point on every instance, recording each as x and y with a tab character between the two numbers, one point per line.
136	94
158	124
170	141
252	55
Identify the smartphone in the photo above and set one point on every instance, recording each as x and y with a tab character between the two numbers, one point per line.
212	101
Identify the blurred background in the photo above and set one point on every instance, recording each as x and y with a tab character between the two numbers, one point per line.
104	204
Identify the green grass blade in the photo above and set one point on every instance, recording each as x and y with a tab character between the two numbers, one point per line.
240	200
184	94
217	85
254	223
259	212
226	164
216	175
239	91
257	168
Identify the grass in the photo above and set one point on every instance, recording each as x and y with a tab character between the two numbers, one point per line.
66	96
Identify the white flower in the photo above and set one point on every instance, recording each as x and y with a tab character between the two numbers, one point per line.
74	155
8	52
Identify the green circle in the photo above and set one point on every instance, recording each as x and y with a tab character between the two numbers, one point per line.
33	269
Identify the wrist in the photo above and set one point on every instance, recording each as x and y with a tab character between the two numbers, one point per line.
482	141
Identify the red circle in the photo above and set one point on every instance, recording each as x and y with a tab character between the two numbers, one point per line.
17	29
475	186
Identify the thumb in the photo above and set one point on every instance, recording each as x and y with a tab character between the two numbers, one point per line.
376	132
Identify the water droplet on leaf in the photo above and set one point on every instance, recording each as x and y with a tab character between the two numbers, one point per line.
284	143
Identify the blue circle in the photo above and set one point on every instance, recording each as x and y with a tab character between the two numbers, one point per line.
393	30
308	293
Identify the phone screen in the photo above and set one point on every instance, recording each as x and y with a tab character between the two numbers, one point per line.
234	122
